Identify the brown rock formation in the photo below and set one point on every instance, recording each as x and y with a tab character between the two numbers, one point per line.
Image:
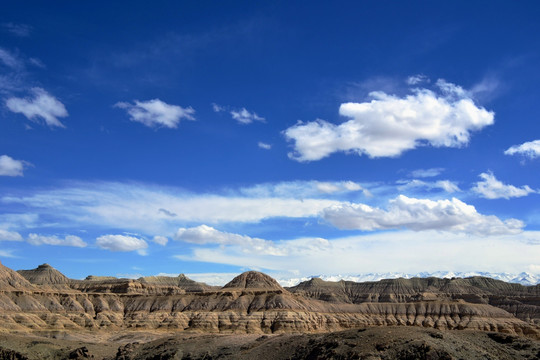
253	280
11	280
255	303
181	281
45	274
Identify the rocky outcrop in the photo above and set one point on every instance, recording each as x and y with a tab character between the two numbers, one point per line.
181	281
6	354
45	275
11	280
521	301
255	303
253	280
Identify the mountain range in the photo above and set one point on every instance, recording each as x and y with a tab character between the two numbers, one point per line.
44	302
523	278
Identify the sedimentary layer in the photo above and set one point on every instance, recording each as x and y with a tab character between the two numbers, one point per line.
255	303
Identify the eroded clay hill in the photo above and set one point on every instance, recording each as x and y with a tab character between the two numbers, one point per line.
521	301
255	303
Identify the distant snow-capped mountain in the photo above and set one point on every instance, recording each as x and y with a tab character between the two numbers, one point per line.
523	278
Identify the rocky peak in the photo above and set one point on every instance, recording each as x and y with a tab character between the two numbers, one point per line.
253	280
44	274
11	279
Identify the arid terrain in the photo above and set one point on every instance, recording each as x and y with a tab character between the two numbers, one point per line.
45	315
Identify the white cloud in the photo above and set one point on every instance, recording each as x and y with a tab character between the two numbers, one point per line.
122	243
419	215
10	166
417	79
530	149
21	30
388	125
6	235
204	234
446	185
69	240
140	208
424	173
264	146
42	105
156	113
7	253
18	220
303	189
160	240
395	251
491	188
218	108
243	116
9	59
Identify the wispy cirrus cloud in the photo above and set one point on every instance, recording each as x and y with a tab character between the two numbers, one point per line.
156	113
7	253
20	30
304	189
41	105
425	173
446	185
151	209
491	188
389	125
10	60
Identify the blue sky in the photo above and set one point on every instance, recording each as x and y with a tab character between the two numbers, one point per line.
296	138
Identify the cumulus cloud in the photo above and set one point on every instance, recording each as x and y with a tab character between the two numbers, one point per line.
6	235
69	240
41	105
419	215
389	125
446	185
264	146
122	243
491	188
156	113
10	166
530	149
243	116
160	240
204	234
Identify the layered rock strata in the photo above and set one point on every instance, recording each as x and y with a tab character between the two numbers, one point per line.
256	303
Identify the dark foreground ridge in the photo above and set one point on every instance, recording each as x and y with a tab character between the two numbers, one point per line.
156	311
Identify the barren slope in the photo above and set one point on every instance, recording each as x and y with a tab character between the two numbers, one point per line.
255	303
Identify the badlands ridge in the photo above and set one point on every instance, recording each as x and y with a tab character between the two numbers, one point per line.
43	299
